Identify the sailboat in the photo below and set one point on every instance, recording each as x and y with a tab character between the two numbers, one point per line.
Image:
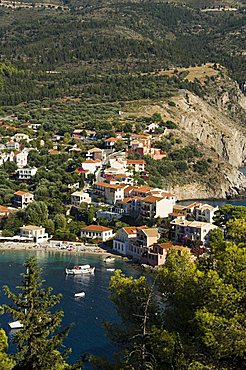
15	325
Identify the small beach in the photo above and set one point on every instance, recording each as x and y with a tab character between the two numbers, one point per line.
75	249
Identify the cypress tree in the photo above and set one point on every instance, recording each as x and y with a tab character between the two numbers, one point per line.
39	343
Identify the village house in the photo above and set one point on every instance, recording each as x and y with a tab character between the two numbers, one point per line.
5	211
110	193
22	199
153	207
146	237
79	197
157	253
196	231
204	212
26	173
110	142
91	165
12	145
123	238
136	165
20	158
33	233
20	136
95	153
96	232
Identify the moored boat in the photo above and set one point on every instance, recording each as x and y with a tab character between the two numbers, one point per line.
15	325
112	270
79	270
81	294
109	259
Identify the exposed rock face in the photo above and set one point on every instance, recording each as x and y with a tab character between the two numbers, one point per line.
229	184
217	127
212	128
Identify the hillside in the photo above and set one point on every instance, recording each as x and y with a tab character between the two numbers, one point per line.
78	67
64	52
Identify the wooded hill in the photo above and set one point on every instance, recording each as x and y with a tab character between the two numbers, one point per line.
98	46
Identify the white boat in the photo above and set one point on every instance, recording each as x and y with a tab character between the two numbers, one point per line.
110	270
81	294
109	259
15	325
81	269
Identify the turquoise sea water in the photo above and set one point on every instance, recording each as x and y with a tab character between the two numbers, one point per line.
87	314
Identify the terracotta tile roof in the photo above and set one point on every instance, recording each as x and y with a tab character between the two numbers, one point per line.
176	214
31	227
144	189
135	161
95	150
125	200
96	228
112	139
131	230
4	209
54	151
152	199
130	187
106	185
22	193
92	161
151	232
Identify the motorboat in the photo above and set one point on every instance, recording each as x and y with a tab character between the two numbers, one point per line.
112	270
15	325
81	294
79	270
109	259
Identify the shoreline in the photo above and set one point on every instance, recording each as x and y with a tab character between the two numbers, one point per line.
10	246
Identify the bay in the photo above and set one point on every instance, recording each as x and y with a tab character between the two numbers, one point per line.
87	314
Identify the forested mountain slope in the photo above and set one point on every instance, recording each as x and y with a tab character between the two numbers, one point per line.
97	40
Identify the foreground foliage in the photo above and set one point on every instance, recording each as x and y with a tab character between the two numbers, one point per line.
192	317
39	343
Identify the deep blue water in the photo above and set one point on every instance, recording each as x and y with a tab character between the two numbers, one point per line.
89	313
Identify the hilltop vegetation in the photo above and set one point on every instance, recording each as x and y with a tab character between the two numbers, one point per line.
98	46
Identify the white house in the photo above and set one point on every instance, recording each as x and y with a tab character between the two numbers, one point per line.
91	165
22	199
110	142
181	230
80	197
26	173
146	237
20	158
33	233
153	207
96	232
123	238
12	145
20	136
138	165
111	193
204	212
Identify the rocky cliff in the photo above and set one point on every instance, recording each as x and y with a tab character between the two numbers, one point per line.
216	123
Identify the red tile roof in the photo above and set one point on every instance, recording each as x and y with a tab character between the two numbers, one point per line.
96	228
135	161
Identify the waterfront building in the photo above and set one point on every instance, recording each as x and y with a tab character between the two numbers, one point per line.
123	238
196	231
96	232
146	237
34	233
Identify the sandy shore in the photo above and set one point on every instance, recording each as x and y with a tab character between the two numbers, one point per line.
47	248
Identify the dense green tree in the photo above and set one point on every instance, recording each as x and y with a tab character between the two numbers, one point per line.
39	343
6	362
